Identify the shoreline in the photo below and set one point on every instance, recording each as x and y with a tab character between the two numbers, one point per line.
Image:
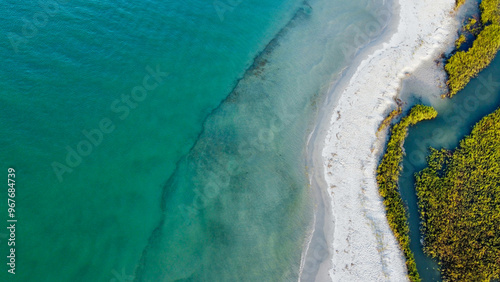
361	246
320	240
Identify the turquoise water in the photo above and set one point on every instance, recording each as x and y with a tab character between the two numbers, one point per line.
162	140
455	120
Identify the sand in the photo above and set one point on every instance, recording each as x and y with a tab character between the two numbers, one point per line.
351	240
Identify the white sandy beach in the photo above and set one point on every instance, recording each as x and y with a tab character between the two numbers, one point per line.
363	247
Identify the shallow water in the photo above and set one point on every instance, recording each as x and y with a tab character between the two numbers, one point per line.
199	178
455	120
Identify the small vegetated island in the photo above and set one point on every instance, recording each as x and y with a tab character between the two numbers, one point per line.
459	199
459	191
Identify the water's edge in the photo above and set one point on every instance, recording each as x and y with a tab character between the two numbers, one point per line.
317	254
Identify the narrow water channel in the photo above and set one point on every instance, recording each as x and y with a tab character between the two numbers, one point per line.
455	120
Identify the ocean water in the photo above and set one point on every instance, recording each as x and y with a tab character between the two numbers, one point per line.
164	140
456	118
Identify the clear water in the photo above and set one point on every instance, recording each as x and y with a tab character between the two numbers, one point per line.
455	120
201	176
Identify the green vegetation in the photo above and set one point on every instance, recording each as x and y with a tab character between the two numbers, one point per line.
473	26
468	34
459	193
490	12
461	40
464	65
388	119
470	24
387	179
459	3
459	200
